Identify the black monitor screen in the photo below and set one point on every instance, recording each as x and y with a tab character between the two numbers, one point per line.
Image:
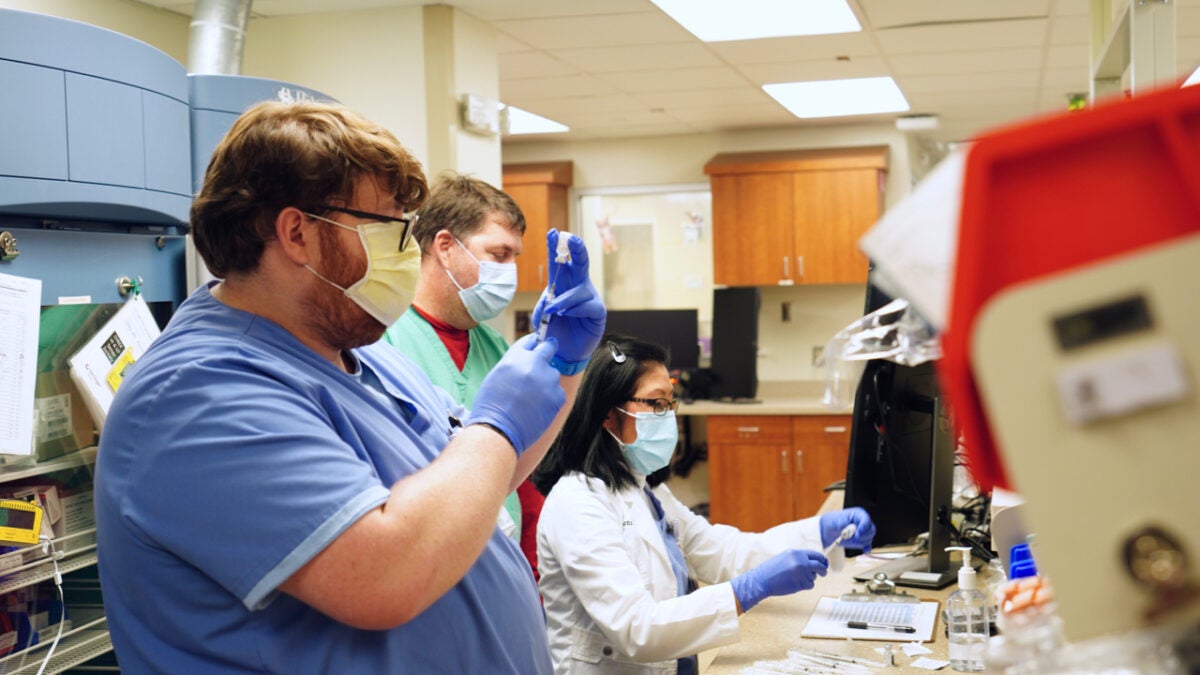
901	461
674	329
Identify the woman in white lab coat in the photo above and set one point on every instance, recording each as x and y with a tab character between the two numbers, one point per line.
619	555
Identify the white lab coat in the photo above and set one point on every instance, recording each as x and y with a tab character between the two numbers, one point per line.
609	591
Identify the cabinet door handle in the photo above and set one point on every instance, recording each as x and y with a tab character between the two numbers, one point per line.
541	271
800	266
783	460
786	267
747	430
835	430
799	461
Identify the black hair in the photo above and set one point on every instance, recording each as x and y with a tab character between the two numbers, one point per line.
584	445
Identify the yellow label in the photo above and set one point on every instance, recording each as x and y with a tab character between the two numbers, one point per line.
20	522
118	369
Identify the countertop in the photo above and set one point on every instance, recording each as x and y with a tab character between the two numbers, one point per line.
800	397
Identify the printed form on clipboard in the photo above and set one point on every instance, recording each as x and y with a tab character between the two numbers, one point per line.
833	618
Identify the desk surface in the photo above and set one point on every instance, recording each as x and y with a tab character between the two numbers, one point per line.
774	626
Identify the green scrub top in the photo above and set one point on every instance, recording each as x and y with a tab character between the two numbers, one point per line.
413	336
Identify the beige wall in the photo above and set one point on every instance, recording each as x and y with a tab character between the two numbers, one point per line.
372	61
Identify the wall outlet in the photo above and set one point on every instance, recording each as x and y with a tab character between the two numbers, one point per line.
816	354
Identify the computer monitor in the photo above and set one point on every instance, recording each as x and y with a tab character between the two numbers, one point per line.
674	329
734	364
901	467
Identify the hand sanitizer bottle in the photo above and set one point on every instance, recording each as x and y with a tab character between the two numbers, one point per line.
967	619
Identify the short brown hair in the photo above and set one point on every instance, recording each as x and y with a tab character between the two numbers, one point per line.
459	203
291	154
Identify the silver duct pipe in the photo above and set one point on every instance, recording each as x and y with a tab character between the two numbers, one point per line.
218	34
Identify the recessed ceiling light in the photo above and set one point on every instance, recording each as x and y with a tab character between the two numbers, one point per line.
721	20
835	98
520	121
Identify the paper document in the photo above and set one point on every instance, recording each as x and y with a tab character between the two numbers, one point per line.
832	619
98	368
20	311
915	244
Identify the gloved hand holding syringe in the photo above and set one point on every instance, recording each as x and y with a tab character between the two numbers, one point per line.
570	310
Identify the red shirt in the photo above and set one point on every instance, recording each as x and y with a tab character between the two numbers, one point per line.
458	342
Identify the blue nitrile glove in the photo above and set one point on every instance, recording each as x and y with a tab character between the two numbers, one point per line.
834	522
786	573
521	396
576	312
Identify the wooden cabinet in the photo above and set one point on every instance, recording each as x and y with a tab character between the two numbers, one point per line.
795	216
766	470
541	192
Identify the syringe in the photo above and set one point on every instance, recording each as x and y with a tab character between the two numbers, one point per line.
561	257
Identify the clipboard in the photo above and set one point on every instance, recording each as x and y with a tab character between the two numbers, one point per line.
831	615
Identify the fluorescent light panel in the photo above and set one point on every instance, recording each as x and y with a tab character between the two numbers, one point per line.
524	122
722	20
837	98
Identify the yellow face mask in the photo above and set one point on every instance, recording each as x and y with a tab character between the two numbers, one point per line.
386	289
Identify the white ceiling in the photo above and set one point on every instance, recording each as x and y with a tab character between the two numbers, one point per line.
620	68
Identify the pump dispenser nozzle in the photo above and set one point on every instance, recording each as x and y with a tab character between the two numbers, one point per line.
966	573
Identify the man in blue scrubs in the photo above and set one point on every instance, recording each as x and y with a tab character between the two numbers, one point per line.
277	491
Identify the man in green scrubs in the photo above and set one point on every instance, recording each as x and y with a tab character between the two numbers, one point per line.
470	235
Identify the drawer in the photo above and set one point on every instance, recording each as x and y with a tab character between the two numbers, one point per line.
752	428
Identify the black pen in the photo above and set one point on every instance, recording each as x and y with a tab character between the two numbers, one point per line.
863	625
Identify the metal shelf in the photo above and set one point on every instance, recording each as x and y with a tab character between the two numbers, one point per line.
27	468
77	646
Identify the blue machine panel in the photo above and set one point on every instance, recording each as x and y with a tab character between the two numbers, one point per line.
166	135
73	264
104	132
217	100
99	129
36	146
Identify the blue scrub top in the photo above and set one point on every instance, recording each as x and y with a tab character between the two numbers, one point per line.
231	455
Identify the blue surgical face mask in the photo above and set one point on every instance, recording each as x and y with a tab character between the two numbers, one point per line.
491	294
655	443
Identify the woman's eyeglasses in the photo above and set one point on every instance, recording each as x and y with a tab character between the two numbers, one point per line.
661	405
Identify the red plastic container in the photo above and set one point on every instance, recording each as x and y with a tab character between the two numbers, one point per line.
1054	194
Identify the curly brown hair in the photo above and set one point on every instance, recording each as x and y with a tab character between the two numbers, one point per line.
291	154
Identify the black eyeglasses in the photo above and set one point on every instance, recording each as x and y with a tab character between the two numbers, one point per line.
660	405
408	220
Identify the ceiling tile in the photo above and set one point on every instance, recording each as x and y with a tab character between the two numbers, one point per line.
544	87
1187	21
803	71
606	30
1072	7
1071	30
554	107
1066	79
1013	79
491	10
1075	56
736	115
664	129
634	57
886	13
984	35
507	44
967	62
781	50
523	65
732	96
675	80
